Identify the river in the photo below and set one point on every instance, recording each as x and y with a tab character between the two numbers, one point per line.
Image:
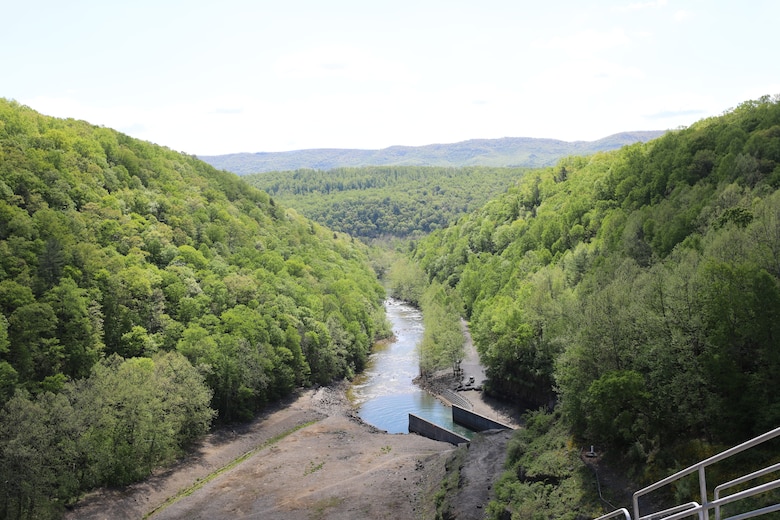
385	392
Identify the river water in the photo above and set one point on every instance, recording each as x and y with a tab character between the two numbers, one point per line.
385	393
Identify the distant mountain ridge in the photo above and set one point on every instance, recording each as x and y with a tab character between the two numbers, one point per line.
506	151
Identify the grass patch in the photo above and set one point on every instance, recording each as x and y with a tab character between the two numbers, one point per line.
544	476
313	468
319	507
232	464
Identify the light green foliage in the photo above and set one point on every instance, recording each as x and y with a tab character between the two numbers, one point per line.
143	411
406	280
108	429
113	249
375	202
544	477
442	343
637	288
78	332
3	335
112	245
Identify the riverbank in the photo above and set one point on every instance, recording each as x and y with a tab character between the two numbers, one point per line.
468	387
310	457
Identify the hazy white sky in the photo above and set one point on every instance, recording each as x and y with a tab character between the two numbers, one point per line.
249	76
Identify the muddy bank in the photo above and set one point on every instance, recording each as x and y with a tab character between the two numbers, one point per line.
309	458
338	467
312	458
215	451
472	471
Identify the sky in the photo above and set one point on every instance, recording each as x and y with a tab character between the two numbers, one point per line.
210	78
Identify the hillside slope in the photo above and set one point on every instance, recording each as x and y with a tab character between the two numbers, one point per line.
386	201
140	290
509	151
638	289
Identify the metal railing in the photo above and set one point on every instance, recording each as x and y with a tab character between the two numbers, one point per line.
702	509
737	481
622	512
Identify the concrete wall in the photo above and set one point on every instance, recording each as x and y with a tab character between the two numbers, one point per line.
433	431
475	421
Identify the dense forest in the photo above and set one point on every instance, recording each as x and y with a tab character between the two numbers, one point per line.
637	292
144	294
391	201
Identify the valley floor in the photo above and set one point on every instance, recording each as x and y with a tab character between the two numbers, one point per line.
310	458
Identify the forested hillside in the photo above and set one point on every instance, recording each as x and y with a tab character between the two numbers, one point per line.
143	292
395	201
529	152
638	289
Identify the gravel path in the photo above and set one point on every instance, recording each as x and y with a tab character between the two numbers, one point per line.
471	366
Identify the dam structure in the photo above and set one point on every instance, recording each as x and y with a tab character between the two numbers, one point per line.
471	420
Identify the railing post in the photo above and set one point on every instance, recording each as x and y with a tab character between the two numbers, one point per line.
705	501
636	505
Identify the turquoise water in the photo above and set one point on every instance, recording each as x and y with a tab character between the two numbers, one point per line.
385	392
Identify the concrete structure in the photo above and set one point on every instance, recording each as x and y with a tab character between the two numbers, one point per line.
434	431
475	421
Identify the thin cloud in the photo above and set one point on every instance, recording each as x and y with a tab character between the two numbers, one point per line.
638	6
587	75
586	42
229	111
670	114
340	62
682	15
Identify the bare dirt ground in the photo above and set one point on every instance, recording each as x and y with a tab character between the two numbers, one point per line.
332	466
482	465
312	458
338	467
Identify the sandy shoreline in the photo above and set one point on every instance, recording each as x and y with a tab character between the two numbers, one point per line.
311	457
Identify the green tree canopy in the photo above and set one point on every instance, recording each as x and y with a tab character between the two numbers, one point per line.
130	277
639	289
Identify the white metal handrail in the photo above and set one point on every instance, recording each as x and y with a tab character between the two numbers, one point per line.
703	508
757	512
688	509
614	514
741	480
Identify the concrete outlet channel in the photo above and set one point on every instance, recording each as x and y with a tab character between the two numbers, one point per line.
467	418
